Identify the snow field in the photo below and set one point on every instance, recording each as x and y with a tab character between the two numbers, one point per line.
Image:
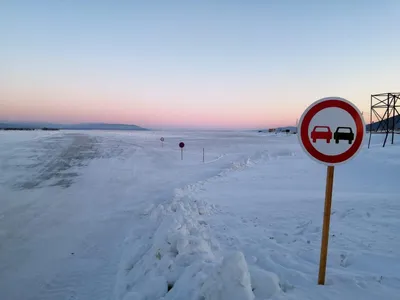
113	215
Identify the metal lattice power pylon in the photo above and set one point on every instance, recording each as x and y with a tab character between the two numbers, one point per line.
385	109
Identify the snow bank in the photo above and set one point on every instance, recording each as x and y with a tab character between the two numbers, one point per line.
265	284
230	281
180	258
184	261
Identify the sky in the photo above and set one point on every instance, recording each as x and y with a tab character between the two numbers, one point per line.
193	64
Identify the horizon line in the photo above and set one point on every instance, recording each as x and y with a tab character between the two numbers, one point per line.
151	128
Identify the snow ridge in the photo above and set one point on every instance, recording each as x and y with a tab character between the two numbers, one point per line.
181	259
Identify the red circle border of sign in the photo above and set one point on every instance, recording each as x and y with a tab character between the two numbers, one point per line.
306	120
182	144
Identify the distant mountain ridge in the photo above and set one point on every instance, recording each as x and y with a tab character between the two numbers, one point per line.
374	126
369	127
81	126
103	126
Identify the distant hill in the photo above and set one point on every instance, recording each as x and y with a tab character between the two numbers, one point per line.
102	126
372	126
82	126
375	125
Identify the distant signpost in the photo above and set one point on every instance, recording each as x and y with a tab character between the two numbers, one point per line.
162	142
331	131
181	145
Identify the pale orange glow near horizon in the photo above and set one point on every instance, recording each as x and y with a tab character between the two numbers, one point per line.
77	106
143	117
161	109
215	101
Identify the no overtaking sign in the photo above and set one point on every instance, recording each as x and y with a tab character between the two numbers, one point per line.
331	131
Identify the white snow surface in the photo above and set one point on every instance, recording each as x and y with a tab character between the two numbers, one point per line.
113	215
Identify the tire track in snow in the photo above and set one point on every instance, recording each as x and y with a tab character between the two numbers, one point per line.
38	254
56	168
89	266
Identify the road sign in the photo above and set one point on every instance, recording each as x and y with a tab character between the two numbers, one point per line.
162	139
181	145
331	130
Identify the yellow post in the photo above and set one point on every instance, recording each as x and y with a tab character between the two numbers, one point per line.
325	228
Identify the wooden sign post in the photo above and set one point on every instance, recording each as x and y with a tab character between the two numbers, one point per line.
331	132
326	223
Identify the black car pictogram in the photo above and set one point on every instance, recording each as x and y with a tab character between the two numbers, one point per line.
343	134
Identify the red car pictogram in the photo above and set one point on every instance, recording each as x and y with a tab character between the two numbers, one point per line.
321	133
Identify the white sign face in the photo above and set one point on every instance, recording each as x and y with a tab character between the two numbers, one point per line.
331	130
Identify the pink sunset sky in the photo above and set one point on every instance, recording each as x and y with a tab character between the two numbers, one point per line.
189	66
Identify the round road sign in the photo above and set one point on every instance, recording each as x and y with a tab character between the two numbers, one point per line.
162	139
181	144
331	130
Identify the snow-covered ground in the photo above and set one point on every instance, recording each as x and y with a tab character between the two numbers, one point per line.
113	215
